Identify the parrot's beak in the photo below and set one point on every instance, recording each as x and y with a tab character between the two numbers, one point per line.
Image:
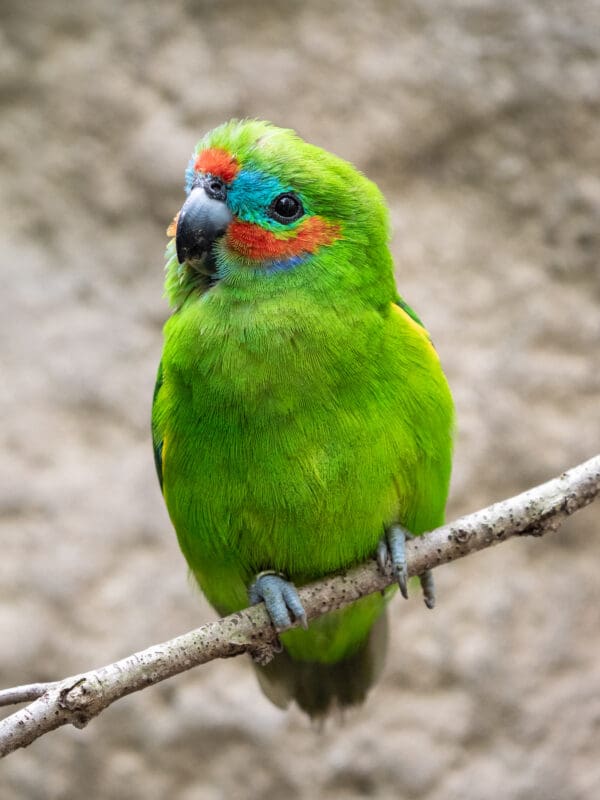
203	218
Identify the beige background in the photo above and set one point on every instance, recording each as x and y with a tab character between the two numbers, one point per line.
480	121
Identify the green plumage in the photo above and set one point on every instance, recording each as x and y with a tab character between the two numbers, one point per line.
299	411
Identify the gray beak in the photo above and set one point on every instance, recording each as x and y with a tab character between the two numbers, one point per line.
203	218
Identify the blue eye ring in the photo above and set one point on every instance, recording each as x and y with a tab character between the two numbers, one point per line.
286	208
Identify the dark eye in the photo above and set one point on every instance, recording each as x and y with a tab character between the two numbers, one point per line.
286	208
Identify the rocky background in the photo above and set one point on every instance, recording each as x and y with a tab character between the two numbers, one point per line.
480	121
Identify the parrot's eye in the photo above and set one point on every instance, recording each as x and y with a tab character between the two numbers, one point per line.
286	208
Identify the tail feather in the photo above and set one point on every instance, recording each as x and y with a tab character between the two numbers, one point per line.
321	687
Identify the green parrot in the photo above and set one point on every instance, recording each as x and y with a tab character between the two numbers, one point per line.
301	419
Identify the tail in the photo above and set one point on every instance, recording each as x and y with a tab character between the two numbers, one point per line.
320	687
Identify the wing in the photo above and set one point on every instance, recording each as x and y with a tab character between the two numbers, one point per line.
428	418
157	437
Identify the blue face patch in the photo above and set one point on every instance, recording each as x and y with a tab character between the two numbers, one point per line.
251	193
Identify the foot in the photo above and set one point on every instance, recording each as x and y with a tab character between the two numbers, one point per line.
281	599
393	546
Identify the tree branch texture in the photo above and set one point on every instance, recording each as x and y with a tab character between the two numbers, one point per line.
76	700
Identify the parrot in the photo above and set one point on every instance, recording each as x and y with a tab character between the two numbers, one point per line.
301	420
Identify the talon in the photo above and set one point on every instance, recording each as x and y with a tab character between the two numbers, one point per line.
393	545
290	595
281	600
382	553
401	579
428	587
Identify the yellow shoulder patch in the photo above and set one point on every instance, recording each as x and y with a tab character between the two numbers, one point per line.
414	326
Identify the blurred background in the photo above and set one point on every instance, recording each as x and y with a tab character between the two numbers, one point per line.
480	121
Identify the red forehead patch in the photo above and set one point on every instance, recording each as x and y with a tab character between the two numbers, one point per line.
218	162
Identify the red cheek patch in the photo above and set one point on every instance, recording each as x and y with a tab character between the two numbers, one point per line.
253	241
218	162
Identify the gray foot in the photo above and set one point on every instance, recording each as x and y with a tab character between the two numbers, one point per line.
281	599
393	546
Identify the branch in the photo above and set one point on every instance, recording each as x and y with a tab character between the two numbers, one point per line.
24	694
78	699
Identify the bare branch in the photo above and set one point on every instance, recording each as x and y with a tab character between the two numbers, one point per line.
78	699
24	694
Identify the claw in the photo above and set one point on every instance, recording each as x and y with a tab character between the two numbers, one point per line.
393	545
382	553
428	587
281	600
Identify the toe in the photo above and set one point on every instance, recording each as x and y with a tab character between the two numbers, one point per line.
281	600
293	602
382	553
393	545
428	587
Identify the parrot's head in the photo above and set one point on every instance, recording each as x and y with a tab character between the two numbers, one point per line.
267	209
